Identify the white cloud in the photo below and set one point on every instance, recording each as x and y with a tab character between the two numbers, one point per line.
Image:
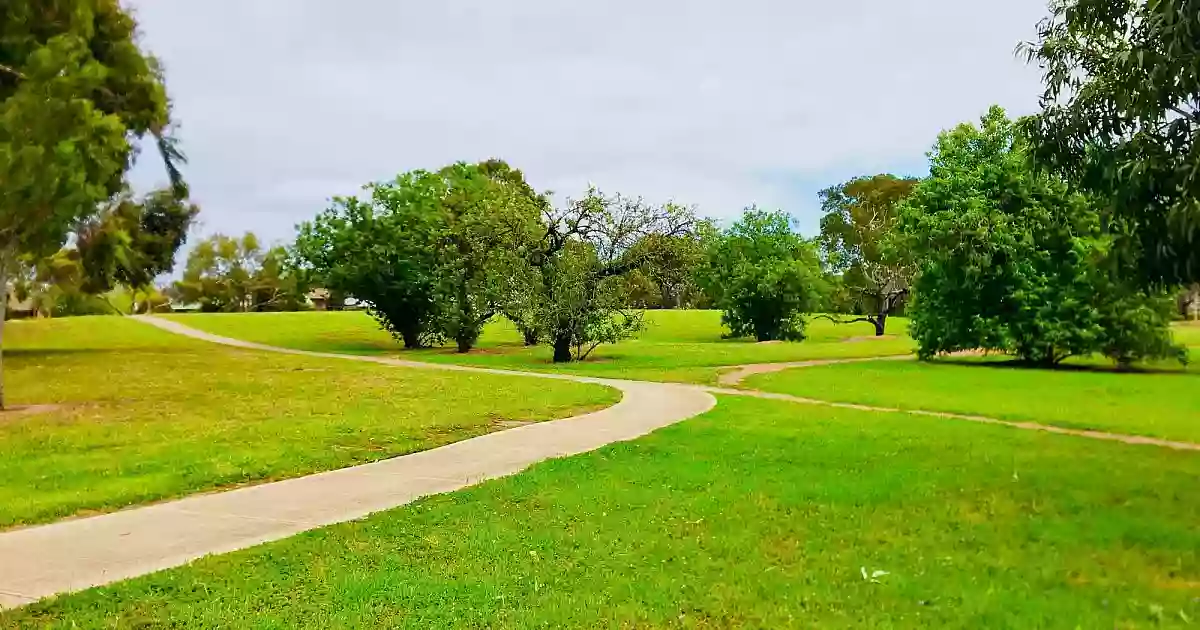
285	103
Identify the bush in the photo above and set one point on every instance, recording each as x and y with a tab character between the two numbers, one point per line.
1013	260
763	277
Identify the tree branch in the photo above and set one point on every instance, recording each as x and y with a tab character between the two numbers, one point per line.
1192	116
837	320
12	71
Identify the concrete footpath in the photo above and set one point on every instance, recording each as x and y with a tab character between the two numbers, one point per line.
71	555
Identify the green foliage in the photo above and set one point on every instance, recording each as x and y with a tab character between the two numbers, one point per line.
579	298
435	254
856	232
1013	260
1121	116
73	84
764	277
130	242
228	274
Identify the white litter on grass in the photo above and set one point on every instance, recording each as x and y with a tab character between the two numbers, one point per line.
874	576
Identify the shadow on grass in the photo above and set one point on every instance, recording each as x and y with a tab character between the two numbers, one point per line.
1010	363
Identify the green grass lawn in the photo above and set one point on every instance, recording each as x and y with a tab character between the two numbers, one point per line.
1188	333
1158	404
684	346
760	514
142	414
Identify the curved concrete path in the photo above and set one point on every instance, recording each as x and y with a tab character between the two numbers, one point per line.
76	554
72	555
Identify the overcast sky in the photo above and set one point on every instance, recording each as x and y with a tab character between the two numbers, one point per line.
285	103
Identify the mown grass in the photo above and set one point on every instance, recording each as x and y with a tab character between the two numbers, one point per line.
760	514
683	346
142	414
1089	395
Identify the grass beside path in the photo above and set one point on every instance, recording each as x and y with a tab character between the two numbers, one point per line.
1164	405
681	345
758	514
144	415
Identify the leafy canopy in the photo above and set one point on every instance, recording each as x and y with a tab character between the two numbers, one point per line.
237	274
764	277
436	254
1121	116
856	234
74	86
1011	259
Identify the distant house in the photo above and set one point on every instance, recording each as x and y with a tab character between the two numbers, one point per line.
319	298
182	307
1189	302
17	309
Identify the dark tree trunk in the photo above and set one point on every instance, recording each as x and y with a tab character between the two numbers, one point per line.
464	343
880	323
3	316
411	337
562	348
531	336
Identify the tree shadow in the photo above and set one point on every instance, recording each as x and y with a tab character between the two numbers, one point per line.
1001	362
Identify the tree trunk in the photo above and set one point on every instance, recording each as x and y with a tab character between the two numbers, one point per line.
531	336
880	323
3	316
411	337
562	348
464	344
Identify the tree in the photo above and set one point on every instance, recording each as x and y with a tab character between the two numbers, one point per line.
228	274
764	277
130	242
74	88
587	247
490	218
1121	116
1011	259
860	216
376	250
436	254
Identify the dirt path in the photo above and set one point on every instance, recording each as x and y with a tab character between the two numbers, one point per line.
738	373
1028	426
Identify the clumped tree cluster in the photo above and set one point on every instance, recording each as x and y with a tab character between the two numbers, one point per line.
437	255
238	275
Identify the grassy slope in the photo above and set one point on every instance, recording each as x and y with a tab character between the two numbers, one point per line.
676	346
1165	405
147	415
759	514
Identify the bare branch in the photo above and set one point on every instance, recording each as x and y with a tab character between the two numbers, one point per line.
12	71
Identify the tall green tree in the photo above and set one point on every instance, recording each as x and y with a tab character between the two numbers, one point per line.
856	229
764	277
1013	260
74	88
1121	116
